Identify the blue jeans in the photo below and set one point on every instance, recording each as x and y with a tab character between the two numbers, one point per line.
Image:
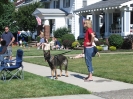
88	58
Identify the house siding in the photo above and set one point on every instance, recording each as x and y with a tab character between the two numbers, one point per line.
76	20
89	2
60	22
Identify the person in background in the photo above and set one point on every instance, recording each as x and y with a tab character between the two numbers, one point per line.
57	44
52	43
3	47
41	42
95	51
9	38
20	42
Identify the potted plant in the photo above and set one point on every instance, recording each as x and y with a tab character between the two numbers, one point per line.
104	45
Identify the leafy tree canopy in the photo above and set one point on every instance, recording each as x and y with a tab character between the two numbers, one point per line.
6	18
24	19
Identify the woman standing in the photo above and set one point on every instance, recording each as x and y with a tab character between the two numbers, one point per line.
88	48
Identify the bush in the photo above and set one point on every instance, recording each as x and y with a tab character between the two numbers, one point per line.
38	38
81	41
29	39
67	40
67	43
75	44
126	44
60	32
115	40
99	48
68	37
112	48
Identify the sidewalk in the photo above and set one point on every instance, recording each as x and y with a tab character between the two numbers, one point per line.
99	85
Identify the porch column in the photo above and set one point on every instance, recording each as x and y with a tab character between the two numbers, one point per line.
81	19
125	23
77	26
46	29
107	24
96	25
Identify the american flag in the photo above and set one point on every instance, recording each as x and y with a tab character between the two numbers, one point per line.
38	20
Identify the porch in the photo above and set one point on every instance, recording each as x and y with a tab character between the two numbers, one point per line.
54	18
117	17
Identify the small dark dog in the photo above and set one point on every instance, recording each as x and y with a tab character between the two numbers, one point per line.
54	61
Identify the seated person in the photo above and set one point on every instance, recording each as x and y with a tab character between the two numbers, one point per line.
20	43
57	44
52	43
3	47
46	45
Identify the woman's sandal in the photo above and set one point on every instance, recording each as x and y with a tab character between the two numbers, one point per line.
85	78
88	80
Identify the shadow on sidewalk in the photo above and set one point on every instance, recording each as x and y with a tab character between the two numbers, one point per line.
77	76
98	81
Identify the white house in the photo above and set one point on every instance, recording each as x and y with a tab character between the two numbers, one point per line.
59	13
118	16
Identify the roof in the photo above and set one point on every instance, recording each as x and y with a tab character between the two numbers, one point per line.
48	11
103	4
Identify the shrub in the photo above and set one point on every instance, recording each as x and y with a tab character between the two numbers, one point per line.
115	40
38	38
126	44
81	41
68	37
101	42
67	43
75	44
99	48
60	32
112	48
130	39
29	39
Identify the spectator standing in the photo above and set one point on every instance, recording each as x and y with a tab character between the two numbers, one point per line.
9	38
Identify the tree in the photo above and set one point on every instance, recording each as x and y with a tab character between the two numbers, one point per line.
24	19
6	18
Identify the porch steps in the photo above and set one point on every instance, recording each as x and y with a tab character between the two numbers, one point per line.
33	43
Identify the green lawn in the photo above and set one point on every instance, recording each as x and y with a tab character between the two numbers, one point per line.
34	52
115	66
37	86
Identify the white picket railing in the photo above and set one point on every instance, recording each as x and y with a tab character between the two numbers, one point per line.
118	30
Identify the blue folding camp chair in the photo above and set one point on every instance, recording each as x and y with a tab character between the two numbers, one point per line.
13	71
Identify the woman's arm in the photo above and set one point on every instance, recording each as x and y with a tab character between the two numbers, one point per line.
92	37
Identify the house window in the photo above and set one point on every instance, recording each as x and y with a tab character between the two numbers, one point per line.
26	1
84	3
66	3
57	4
47	5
